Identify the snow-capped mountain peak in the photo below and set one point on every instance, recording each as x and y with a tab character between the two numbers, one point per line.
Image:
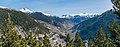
25	10
81	14
87	14
6	8
2	7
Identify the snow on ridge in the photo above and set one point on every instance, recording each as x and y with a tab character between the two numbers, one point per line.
6	8
81	14
3	7
85	14
46	14
25	10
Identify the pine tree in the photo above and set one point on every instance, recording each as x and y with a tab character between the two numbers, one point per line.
116	6
68	40
108	43
46	41
115	32
32	41
100	38
68	44
78	41
10	37
24	42
40	44
36	44
115	28
91	43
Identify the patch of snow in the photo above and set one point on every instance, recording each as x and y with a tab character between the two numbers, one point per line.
6	8
46	14
80	14
85	14
25	10
2	7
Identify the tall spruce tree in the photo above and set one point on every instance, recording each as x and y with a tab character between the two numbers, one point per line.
32	41
46	42
102	41
91	43
78	41
116	6
114	29
10	37
68	44
100	38
40	44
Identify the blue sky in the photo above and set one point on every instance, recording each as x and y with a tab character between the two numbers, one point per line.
60	7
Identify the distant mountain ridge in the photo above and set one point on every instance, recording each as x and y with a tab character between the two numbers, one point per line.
57	21
41	16
88	28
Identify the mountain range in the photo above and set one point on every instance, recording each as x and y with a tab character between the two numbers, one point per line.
88	28
56	27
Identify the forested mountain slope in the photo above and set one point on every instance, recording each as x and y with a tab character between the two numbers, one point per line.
88	28
21	19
